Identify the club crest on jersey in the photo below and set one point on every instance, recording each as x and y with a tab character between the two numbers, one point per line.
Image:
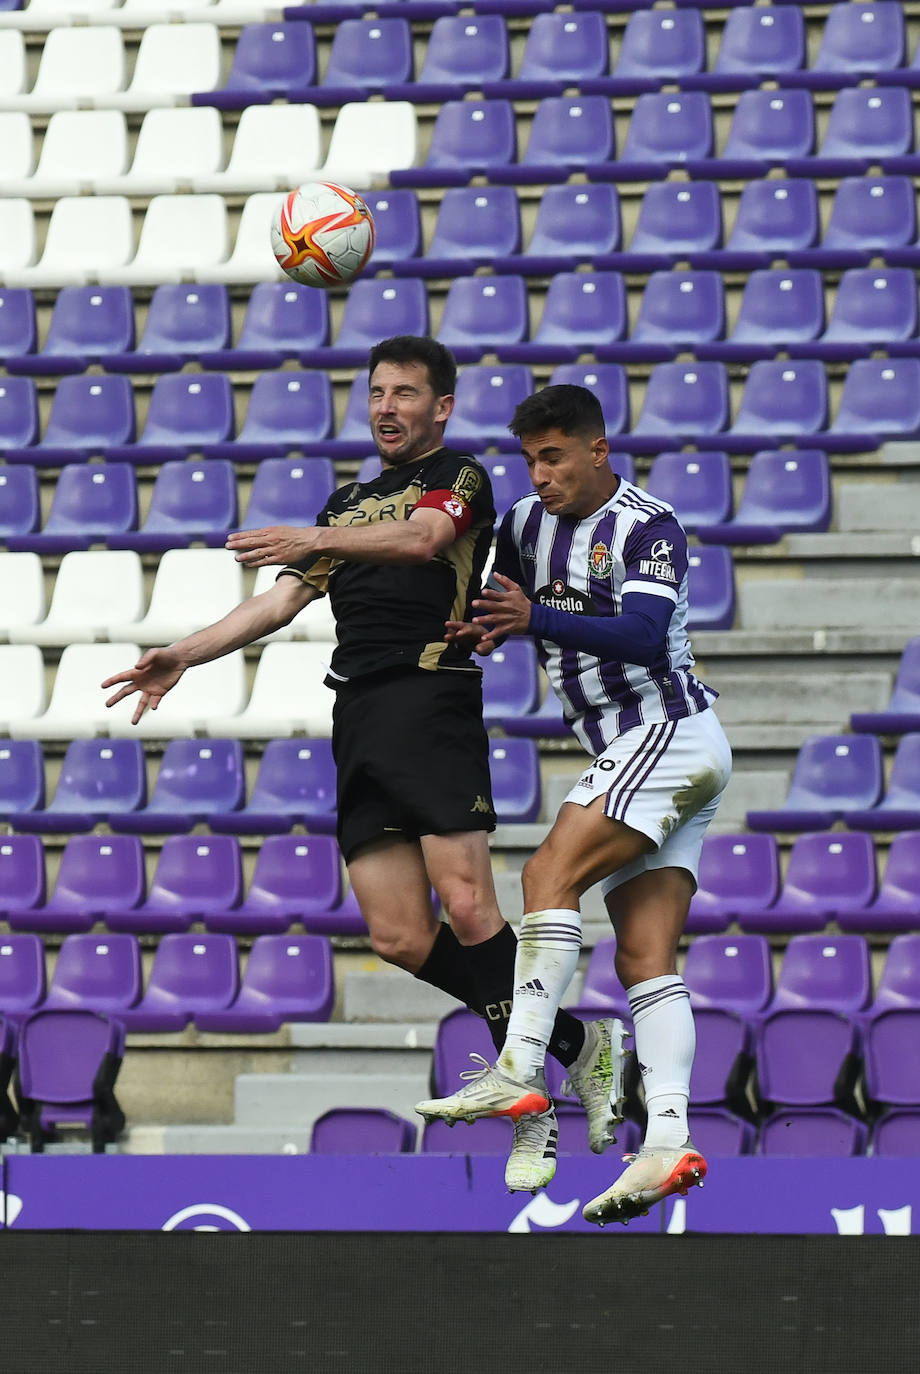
601	560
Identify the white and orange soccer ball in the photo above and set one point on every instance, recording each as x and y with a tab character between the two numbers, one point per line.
322	234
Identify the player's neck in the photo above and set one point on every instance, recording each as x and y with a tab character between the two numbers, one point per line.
597	497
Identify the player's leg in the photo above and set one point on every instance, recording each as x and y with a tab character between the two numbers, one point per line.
391	885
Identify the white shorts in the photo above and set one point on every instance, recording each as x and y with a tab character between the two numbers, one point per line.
666	781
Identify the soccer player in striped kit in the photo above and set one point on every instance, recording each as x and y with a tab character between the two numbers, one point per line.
596	571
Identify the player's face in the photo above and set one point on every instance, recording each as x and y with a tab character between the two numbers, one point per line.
570	472
407	418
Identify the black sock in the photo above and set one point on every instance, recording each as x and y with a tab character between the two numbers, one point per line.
447	968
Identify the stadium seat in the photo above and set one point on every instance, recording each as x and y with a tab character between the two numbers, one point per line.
902	714
18	243
398	225
697	485
182	236
510	480
717	1132
195	876
371	143
375	308
711	582
271	147
574	224
898	900
81	149
195	778
890	1026
19	507
768	41
89	238
682	401
22	687
858	40
362	1130
296	878
191	503
723	1060
282	319
546	722
287	978
812	1132
460	1034
781	398
269	60
738	873
183	323
899	808
186	414
509	681
22	591
22	778
568	134
583	312
171	64
72	1088
93	589
880	397
781	309
288	411
666	130
656	49
896	1134
768	127
174	147
193	587
98	778
679	312
22	975
602	987
251	259
474	227
200	703
485	315
97	874
88	324
784	493
867	126
22	868
96	973
775	219
610	385
870	217
288	490
190	974
677	221
295	784
485	399
874	309
464	52
733	972
18	332
470	137
491	1137
827	874
367	56
17	157
89	415
315	621
562	50
288	695
77	66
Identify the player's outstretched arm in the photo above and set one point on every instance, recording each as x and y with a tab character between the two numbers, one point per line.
158	670
416	540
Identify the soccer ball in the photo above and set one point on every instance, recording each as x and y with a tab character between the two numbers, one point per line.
322	234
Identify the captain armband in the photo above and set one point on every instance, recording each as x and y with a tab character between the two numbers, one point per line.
451	504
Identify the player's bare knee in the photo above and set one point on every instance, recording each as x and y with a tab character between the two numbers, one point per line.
473	914
405	949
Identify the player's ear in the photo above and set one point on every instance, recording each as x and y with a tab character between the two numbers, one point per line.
444	408
601	452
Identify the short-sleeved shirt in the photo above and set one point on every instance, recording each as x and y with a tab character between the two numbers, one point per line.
633	543
392	615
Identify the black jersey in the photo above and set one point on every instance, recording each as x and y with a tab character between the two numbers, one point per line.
390	615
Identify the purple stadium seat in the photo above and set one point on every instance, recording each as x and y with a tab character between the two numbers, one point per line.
474	226
515	768
9	1115
717	1132
723	1059
191	503
583	312
485	400
897	905
288	490
781	310
22	874
195	876
569	133
20	507
711	587
682	401
97	874
573	1131
287	411
296	878
880	396
98	777
729	972
509	681
784	493
697	485
269	60
375	308
196	777
22	777
22	975
657	48
834	774
774	220
367	55
902	714
768	127
88	323
509	478
398	223
824	973
460	1034
68	1064
190	974
295	785
781	398
899	808
469	138
574	224
870	217
96	973
464	53
858	40
18	417
286	979
677	221
362	1131
899	984
892	1026
91	503
187	414
562	50
602	989
183	324
490	1136
610	385
679	312
867	126
757	43
875	308
546	722
897	1134
282	319
18	331
667	129
827	874
737	873
89	415
819	1131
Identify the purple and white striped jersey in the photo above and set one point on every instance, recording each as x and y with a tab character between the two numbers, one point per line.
633	543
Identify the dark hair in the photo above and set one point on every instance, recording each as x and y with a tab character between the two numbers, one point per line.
415	348
573	409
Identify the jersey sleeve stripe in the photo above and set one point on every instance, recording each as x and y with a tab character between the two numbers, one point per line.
649	589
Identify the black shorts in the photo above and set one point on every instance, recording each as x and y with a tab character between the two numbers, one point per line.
412	756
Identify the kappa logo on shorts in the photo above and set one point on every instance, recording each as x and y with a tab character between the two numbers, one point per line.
481	807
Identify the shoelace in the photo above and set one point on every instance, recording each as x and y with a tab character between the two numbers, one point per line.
470	1075
529	1132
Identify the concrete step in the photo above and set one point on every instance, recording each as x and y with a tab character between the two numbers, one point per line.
367	1035
393	995
297	1099
236	1140
776	641
813	603
799	698
877	506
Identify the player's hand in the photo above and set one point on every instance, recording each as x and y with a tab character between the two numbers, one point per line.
468	635
276	544
505	612
153	675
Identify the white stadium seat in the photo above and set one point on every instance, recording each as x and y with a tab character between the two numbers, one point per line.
22	687
192	588
174	148
18	244
181	237
212	689
77	707
274	148
14	70
315	621
17	152
89	237
252	259
78	67
41	15
173	60
139	14
94	588
288	696
80	147
22	589
370	140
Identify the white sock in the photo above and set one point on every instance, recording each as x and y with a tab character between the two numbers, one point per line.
547	956
665	1044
